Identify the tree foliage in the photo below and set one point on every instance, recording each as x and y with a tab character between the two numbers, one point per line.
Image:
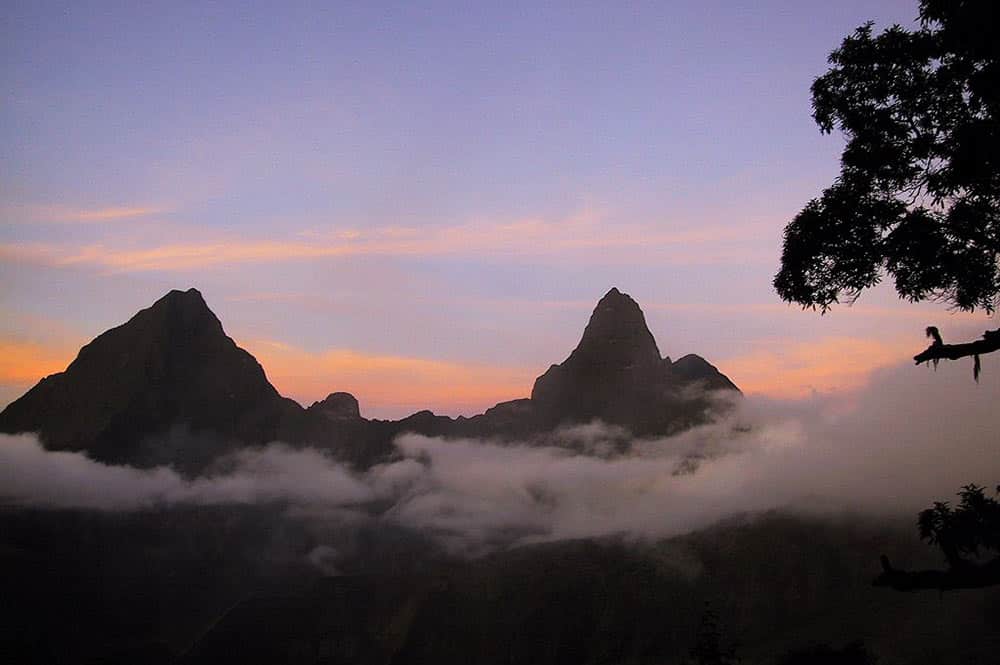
965	534
708	648
918	195
969	529
823	654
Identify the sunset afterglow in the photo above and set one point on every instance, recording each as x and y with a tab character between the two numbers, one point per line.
429	223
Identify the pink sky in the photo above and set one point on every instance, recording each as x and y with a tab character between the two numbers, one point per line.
421	205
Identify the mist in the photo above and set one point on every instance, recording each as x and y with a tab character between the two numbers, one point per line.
912	436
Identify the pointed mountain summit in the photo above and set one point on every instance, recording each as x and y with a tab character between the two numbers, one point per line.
616	374
170	366
616	335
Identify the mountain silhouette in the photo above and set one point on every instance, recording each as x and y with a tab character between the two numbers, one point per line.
170	367
616	374
170	387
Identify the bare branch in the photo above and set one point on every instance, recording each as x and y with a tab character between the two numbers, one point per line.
965	576
938	350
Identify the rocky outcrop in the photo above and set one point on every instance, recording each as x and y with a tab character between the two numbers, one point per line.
338	407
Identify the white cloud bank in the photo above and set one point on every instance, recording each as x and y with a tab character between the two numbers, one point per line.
911	437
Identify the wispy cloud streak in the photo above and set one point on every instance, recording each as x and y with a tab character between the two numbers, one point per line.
582	234
59	214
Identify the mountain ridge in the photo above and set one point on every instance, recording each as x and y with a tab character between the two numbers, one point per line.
168	386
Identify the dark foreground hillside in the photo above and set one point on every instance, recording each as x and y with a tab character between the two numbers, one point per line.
235	586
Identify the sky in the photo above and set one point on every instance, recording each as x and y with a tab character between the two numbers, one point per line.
420	203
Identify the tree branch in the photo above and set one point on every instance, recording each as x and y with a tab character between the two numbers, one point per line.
966	576
938	350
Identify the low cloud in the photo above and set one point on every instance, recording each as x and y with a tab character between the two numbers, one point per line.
912	436
31	475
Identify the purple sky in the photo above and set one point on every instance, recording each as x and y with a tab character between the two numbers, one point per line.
421	202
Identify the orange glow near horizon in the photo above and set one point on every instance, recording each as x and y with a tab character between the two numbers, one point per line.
390	386
797	370
22	364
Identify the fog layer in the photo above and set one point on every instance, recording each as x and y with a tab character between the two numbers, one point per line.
912	436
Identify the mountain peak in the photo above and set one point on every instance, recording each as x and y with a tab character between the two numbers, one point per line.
190	300
616	353
192	296
179	313
170	365
617	332
616	374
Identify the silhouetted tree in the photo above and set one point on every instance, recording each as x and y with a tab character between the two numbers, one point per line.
708	648
918	195
965	534
823	654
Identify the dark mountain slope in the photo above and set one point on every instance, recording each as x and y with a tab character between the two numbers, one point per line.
170	366
777	582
